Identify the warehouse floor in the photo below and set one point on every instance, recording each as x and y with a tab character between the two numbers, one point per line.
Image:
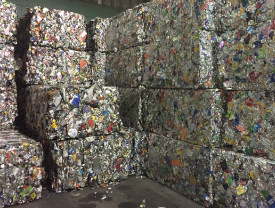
127	194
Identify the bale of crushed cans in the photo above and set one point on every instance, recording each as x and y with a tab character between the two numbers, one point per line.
245	56
249	123
117	33
8	66
165	66
186	63
190	115
140	151
71	111
8	15
98	68
112	161
53	28
171	19
49	66
91	161
203	58
130	107
196	44
66	167
8	107
163	17
21	169
242	181
79	111
96	34
123	68
126	29
181	166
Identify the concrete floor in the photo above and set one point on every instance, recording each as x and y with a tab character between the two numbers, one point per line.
127	194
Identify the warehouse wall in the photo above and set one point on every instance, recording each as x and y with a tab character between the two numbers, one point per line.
120	4
84	7
123	4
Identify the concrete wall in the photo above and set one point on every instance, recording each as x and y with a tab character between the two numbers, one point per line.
89	8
